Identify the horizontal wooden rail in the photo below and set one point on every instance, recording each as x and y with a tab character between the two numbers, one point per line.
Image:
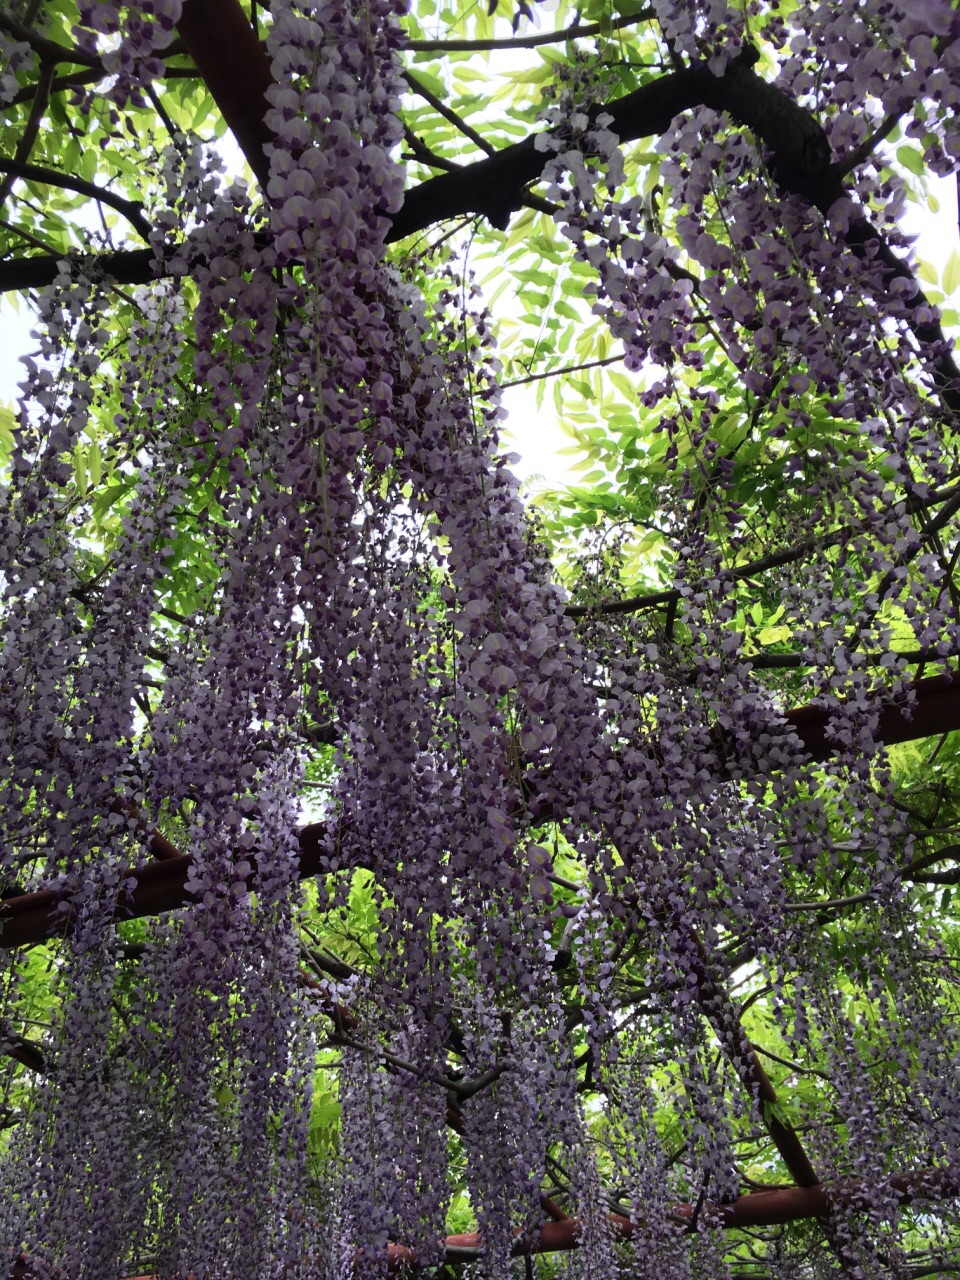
161	886
936	710
758	1209
32	918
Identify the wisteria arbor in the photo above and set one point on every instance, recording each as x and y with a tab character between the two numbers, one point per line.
620	941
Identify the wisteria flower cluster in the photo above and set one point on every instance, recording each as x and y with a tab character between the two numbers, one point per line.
369	580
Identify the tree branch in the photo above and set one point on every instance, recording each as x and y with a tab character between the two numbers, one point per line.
494	187
556	373
231	61
718	1009
419	88
776	560
420	151
926	860
75	80
574	32
758	1209
797	661
47	50
858	155
22	1050
132	210
31	129
224	46
935	877
229	57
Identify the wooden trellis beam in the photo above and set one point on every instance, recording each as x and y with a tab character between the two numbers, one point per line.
32	918
936	710
759	1209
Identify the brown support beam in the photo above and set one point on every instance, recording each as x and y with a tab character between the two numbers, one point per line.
32	917
759	1209
219	38
935	711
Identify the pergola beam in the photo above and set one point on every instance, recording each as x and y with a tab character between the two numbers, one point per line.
33	918
758	1209
230	59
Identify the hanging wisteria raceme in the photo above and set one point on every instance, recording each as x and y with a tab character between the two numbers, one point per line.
15	55
236	1008
325	490
656	310
76	687
137	34
306	530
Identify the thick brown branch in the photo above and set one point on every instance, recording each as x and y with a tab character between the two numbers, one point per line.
31	129
229	57
797	661
719	1011
22	1050
935	711
234	66
224	46
161	886
494	187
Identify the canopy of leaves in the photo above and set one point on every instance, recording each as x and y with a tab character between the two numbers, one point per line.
400	874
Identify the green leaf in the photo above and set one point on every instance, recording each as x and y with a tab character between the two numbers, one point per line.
80	470
912	160
8	424
773	635
951	273
88	164
94	464
106	498
927	272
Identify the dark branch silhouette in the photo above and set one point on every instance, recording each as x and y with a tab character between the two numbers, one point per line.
132	210
231	61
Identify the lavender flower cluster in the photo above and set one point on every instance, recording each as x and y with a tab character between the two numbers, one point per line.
368	563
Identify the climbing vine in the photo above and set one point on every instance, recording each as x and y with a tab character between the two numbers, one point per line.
400	872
